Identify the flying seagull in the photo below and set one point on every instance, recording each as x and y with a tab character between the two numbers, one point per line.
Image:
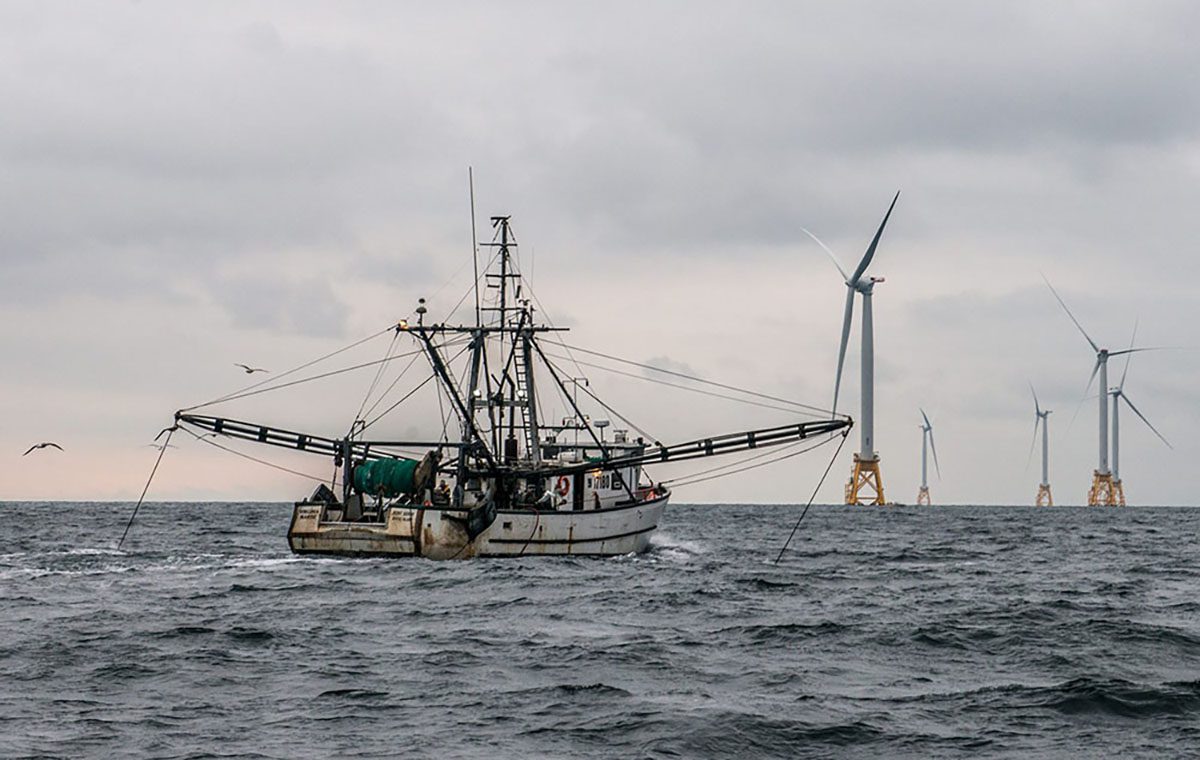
251	370
42	445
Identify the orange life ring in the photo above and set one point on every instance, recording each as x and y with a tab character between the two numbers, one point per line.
564	485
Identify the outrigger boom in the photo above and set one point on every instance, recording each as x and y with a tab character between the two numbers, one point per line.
729	443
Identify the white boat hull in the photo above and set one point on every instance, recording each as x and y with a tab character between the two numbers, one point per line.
438	532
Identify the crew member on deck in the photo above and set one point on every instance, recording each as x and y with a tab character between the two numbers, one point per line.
442	493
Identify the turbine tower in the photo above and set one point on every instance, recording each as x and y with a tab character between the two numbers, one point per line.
865	485
927	445
1044	497
1118	395
1101	493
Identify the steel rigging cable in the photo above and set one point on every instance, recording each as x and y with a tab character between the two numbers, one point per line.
684	387
169	431
292	371
692	479
828	467
690	377
256	460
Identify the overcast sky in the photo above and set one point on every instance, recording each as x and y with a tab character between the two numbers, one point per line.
186	186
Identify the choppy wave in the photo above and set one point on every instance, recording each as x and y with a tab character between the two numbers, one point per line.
881	633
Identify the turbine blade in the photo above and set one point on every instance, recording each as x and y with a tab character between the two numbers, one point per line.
1143	418
832	257
870	254
1078	407
1128	356
1092	379
1143	348
849	315
926	418
1032	444
1036	406
1091	342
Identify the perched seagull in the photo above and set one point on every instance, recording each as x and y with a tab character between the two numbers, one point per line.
42	445
251	370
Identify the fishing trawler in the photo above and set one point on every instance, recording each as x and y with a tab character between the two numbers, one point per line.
511	483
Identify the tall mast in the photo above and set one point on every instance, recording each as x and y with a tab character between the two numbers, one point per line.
531	420
508	452
474	245
516	379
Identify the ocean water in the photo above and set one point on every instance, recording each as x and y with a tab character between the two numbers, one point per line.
897	632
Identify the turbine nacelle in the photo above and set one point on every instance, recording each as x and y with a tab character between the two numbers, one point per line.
866	285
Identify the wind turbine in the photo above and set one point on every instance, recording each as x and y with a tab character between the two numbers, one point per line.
1044	497
1118	395
865	475
1101	493
926	446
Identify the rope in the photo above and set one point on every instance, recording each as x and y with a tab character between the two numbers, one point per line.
828	467
684	387
322	376
691	377
474	287
405	397
615	413
687	479
170	431
537	520
235	452
545	316
388	390
291	371
378	374
780	458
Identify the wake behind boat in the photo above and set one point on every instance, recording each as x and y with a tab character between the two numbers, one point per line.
510	483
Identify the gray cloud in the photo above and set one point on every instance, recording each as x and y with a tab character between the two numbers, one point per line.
269	180
305	306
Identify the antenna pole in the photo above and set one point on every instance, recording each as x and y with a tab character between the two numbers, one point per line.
474	242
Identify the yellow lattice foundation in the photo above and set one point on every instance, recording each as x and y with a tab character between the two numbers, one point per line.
1118	493
1101	493
865	485
1044	499
923	497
